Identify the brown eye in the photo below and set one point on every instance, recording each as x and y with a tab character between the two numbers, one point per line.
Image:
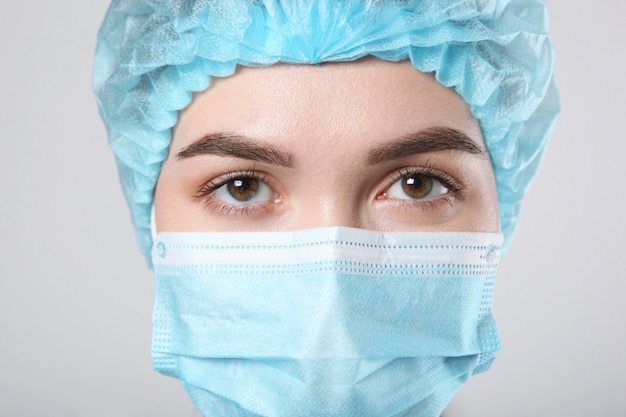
415	186
243	189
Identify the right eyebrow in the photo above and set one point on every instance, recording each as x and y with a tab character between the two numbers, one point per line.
239	146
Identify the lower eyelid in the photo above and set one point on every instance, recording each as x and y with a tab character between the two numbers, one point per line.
225	209
443	202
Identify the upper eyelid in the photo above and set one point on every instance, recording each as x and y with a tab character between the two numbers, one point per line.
224	179
450	181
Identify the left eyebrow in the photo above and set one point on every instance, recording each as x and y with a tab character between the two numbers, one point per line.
428	140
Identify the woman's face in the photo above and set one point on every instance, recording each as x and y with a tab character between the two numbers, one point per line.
369	144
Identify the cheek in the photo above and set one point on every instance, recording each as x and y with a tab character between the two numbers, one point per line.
164	205
172	208
484	215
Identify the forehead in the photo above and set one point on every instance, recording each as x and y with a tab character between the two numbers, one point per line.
366	99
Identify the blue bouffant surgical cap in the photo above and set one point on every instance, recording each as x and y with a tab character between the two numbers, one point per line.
152	55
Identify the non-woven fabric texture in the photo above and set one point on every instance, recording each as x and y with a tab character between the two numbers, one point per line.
324	322
152	55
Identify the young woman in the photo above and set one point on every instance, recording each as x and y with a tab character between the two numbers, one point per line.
325	188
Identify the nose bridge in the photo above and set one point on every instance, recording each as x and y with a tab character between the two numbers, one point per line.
329	210
329	198
329	188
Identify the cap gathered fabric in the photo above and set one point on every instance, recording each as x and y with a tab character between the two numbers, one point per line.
152	55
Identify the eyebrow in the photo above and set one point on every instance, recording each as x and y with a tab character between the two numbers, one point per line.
227	144
428	140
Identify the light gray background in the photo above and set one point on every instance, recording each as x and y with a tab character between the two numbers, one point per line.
76	296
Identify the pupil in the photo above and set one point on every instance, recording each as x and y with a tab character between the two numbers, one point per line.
414	183
241	185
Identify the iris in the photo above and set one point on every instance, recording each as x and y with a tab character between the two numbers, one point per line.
243	189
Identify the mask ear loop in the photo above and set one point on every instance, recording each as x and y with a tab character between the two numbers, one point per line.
153	229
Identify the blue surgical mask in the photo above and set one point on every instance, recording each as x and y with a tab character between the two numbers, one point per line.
324	322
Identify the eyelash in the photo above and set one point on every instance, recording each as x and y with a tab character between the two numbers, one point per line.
207	189
454	186
428	170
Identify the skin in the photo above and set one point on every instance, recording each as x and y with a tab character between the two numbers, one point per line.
324	152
